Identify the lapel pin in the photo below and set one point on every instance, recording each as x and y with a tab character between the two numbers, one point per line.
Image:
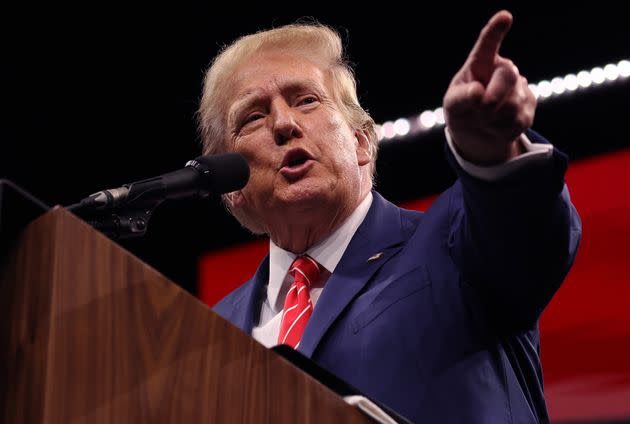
375	257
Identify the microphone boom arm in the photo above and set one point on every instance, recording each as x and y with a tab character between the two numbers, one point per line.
122	225
124	212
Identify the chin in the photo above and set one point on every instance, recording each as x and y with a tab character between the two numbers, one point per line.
305	193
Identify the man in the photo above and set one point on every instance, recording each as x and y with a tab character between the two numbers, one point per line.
433	314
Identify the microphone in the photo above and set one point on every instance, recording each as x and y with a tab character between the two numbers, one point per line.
202	176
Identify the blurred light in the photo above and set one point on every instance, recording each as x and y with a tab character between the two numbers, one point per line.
544	88
584	79
610	72
439	116
388	130
401	126
571	82
427	119
597	75
557	85
379	132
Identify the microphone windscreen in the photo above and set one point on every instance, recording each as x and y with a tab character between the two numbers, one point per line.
226	172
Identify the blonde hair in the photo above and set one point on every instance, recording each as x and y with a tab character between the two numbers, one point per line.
315	40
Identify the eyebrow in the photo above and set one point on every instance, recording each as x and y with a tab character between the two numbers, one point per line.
257	96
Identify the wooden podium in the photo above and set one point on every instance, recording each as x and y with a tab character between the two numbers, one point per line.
91	334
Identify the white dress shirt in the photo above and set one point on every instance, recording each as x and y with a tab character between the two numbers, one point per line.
329	251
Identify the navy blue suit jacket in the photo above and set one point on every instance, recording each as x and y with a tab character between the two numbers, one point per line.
443	326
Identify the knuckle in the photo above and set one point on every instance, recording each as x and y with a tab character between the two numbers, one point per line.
510	109
511	76
523	121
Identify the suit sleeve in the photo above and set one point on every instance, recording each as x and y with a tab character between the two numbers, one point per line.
514	240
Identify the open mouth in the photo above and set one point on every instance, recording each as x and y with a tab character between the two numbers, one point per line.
295	157
296	164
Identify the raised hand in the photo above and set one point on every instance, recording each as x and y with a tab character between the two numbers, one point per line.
488	104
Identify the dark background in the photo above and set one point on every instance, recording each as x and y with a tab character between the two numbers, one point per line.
98	96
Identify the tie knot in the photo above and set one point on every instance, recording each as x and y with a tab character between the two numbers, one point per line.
305	269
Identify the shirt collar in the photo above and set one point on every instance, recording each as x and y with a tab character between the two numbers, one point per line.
327	252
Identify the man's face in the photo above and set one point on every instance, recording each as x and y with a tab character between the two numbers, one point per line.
303	154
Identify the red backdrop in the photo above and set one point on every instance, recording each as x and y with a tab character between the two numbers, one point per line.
585	329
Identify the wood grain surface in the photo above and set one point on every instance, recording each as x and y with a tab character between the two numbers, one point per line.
91	334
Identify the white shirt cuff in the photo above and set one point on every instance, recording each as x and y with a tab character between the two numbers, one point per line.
534	152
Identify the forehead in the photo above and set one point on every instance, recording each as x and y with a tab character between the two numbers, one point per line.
268	71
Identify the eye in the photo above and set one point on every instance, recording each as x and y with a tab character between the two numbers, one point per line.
307	100
251	118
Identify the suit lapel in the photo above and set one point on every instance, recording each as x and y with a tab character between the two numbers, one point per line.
248	305
377	239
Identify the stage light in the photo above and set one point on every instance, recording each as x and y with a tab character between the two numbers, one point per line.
584	79
597	75
427	119
546	89
401	126
388	130
610	72
571	82
557	85
439	116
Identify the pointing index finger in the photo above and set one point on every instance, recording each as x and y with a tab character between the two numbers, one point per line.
489	42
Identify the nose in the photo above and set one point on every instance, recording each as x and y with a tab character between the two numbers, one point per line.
285	125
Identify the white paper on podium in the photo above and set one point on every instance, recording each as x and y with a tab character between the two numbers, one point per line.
370	408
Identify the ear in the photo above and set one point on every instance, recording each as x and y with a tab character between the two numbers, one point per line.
364	156
234	199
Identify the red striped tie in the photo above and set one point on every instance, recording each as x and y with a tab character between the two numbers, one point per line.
297	305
